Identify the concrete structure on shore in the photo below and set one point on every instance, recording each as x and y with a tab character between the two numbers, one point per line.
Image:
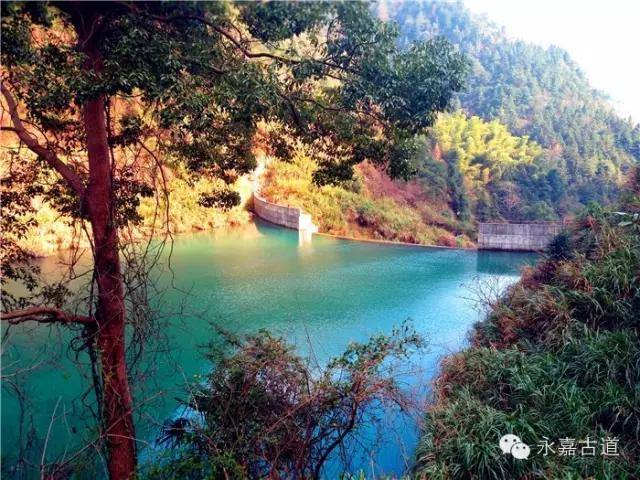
491	236
516	236
290	217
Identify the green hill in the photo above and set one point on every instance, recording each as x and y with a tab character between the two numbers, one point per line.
528	139
537	92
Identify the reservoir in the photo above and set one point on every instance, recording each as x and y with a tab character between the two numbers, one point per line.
320	294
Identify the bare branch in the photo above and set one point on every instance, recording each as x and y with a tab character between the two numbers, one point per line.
44	315
70	175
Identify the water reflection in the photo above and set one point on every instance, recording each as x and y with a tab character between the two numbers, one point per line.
305	239
496	263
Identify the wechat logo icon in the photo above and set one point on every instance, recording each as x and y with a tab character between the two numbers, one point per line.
512	444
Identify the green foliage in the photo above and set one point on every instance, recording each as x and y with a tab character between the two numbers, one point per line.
224	199
484	149
535	92
265	411
494	175
274	21
15	224
457	193
560	247
630	220
584	389
194	204
20	218
557	357
204	83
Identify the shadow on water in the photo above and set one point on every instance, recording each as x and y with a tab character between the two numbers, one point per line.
496	263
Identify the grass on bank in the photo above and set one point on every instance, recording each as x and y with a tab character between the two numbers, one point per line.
354	209
558	357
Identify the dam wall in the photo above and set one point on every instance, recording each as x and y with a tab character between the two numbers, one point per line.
290	217
516	236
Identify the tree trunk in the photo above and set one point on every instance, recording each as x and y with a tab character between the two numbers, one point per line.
98	203
110	314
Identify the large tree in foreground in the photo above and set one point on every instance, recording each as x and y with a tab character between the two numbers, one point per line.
90	87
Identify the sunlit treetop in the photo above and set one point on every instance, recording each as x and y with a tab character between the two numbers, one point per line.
197	77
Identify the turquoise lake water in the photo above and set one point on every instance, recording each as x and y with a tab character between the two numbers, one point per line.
319	294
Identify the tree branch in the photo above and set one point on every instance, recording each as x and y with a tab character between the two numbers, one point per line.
70	175
44	315
238	43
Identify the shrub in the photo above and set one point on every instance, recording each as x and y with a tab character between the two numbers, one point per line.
265	412
196	204
560	247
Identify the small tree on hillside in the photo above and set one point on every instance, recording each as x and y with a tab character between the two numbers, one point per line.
90	88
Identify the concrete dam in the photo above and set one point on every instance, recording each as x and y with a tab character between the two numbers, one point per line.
516	236
290	217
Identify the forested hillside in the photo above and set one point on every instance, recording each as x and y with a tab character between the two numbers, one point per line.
533	91
492	174
466	169
541	93
528	139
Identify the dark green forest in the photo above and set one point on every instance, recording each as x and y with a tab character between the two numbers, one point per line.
535	92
